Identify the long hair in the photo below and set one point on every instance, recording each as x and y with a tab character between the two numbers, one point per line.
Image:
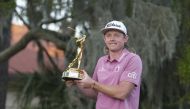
131	49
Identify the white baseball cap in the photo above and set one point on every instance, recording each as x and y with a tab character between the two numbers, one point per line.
115	25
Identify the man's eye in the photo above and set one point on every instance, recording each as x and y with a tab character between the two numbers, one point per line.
108	35
116	35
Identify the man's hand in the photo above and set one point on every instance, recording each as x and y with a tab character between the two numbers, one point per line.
70	83
86	82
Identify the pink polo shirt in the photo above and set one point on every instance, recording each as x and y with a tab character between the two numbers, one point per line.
127	68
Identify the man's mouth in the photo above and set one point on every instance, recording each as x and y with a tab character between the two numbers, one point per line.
112	43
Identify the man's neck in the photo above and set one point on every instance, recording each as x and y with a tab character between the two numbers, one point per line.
115	55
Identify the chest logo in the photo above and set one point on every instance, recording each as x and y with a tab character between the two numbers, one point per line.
117	68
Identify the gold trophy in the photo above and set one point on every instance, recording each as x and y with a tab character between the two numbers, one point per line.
75	73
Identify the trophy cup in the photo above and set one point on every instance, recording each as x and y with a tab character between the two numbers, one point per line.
75	73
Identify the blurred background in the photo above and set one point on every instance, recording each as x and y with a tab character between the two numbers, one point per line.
36	46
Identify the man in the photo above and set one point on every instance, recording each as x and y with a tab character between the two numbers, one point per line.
116	80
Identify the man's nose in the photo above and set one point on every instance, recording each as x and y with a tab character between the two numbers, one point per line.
112	37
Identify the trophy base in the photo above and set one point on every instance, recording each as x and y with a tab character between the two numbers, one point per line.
72	74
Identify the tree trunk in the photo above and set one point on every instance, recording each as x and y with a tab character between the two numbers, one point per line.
3	84
6	9
4	35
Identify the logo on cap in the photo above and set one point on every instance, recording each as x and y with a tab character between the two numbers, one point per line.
117	25
113	24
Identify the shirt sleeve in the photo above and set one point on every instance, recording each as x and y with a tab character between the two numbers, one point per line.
133	70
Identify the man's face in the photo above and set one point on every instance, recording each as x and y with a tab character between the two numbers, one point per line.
115	40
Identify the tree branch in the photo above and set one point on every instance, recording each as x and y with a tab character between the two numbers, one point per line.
46	52
58	39
12	50
20	17
52	21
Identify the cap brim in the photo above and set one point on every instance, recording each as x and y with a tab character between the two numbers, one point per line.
104	30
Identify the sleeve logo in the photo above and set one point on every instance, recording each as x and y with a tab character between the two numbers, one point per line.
132	75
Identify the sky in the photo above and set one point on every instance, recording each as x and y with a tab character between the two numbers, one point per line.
17	21
55	27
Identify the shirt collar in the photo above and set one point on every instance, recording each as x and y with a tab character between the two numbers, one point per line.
124	53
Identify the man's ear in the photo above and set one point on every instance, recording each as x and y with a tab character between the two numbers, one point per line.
126	38
104	38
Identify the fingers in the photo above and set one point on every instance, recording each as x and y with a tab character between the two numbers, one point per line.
79	83
82	75
84	72
69	83
83	84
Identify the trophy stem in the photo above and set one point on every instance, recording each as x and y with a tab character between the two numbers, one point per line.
75	73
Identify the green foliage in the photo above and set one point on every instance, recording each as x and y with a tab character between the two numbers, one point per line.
156	24
183	66
129	9
184	62
9	4
6	6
